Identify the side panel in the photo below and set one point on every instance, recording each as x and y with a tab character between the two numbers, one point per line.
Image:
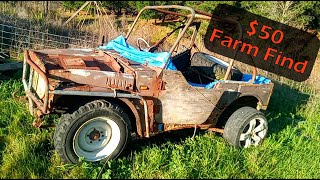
262	92
180	103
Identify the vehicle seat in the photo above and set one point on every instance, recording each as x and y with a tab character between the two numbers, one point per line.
182	60
205	69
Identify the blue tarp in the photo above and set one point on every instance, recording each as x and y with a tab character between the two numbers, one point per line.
207	86
258	80
120	45
245	77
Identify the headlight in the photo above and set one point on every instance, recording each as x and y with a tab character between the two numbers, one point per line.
38	84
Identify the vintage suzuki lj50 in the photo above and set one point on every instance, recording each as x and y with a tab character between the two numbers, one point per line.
108	94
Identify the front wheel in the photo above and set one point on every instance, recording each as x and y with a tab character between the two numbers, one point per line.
246	127
97	131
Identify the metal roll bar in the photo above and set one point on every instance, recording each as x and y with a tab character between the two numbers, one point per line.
195	14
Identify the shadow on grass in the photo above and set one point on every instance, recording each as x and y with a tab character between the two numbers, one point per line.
283	106
2	147
120	165
176	137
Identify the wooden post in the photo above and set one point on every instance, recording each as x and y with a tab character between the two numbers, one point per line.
84	5
46	8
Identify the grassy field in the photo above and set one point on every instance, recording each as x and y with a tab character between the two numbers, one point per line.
291	149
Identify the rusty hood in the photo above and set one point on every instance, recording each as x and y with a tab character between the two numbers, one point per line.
104	69
54	59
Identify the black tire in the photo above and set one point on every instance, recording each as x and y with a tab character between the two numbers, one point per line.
72	124
238	125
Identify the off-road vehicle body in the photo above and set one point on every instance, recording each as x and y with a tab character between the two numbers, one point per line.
105	97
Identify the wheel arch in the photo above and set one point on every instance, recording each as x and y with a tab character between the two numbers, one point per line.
73	102
253	100
243	100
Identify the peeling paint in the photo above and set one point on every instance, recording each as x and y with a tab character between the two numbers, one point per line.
127	76
97	77
80	72
82	49
108	73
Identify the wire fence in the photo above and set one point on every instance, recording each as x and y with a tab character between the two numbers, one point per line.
14	39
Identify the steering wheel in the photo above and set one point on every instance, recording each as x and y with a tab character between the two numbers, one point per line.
143	40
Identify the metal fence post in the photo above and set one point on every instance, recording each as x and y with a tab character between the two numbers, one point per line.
29	40
42	39
2	30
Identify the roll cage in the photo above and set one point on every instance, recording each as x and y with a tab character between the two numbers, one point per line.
193	15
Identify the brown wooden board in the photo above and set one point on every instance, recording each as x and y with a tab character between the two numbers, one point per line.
181	103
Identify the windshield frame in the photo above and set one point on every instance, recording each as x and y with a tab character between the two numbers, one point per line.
191	18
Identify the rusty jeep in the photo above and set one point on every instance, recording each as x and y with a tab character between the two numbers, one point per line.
108	94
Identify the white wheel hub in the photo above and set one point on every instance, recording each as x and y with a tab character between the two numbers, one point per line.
96	139
253	133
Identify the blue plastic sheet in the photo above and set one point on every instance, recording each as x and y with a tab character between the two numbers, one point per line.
120	45
258	80
245	77
207	86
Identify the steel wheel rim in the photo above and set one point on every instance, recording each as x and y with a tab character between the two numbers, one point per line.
96	139
253	133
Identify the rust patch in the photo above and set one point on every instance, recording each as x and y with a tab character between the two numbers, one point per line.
87	88
170	127
36	60
71	62
76	59
95	78
136	114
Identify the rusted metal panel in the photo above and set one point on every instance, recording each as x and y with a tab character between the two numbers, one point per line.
70	51
77	59
104	79
148	80
103	63
72	63
36	60
170	127
133	105
86	88
151	119
97	68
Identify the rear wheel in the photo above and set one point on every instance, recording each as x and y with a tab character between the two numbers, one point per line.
97	131
246	127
